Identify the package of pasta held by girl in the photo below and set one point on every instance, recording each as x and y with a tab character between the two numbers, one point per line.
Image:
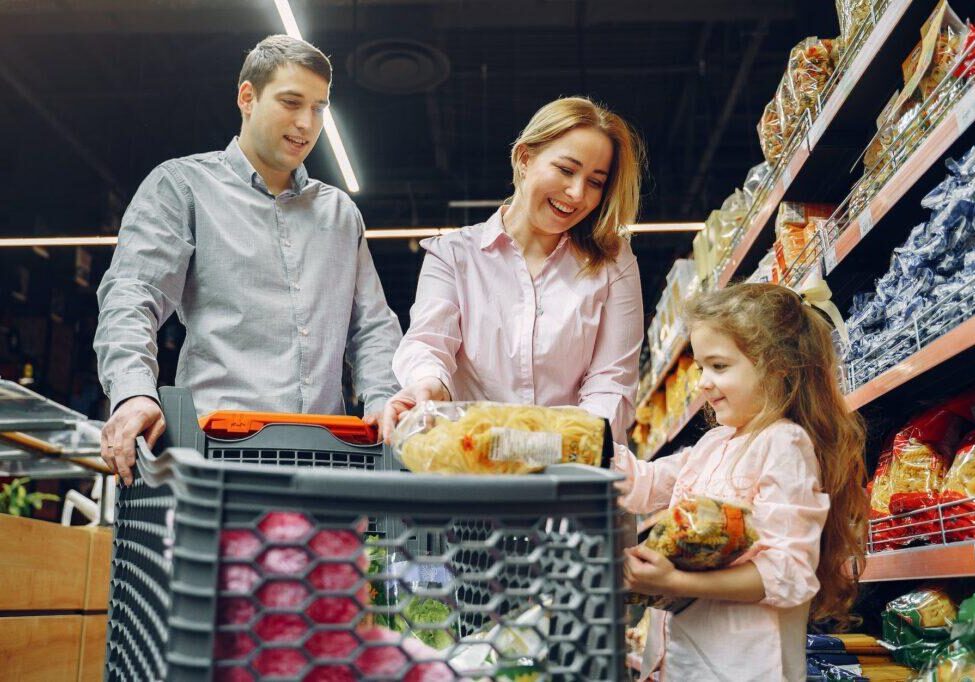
697	534
496	438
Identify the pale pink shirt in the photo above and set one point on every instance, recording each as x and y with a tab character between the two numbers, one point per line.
778	477
488	331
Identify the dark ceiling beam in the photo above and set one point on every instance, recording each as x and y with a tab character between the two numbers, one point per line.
700	52
55	123
244	16
717	132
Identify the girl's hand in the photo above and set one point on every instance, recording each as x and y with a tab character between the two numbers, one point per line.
648	572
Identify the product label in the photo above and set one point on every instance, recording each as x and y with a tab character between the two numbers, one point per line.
535	448
865	221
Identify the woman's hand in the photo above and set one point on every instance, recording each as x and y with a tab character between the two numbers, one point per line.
648	572
428	388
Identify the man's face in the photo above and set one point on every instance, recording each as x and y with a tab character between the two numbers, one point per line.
284	122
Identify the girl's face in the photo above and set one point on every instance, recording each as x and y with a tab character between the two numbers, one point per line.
729	380
563	182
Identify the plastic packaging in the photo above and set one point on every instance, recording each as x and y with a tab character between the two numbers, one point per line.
917	622
811	64
699	534
770	136
852	15
959	488
754	179
788	108
494	438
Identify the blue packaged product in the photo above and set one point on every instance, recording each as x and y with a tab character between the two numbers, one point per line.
824	643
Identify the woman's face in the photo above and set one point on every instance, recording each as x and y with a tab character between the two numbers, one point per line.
563	182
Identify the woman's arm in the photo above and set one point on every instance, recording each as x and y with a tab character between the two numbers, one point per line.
608	388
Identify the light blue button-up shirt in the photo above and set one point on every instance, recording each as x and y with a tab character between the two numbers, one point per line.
274	292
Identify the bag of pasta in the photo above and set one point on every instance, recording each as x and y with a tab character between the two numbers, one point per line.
852	15
698	534
495	438
811	64
958	509
916	623
922	454
770	136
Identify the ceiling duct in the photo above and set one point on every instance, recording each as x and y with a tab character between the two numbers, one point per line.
398	67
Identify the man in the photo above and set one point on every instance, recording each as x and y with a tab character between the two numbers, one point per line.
267	268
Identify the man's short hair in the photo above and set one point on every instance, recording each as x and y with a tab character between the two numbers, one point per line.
278	50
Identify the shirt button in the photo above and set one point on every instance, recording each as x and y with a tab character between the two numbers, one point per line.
296	286
539	312
307	380
304	331
287	242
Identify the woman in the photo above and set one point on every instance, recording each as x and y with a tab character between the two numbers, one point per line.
541	304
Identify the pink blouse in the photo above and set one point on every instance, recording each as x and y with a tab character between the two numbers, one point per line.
778	477
488	331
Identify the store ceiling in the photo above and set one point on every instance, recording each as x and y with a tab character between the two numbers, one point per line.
97	92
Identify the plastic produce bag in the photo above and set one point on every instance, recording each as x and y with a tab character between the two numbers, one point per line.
698	534
495	438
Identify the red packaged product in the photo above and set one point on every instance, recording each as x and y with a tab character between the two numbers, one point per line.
959	487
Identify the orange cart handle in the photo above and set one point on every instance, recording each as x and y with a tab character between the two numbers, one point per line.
235	424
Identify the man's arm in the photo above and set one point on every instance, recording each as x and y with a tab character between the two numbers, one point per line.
374	334
138	293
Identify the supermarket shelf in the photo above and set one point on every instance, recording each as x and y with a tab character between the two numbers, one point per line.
937	561
695	406
953	343
678	349
846	115
931	150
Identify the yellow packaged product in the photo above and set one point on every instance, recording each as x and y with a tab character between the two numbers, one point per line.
675	406
497	438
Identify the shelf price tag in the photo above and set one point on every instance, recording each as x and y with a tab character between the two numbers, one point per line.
965	111
865	221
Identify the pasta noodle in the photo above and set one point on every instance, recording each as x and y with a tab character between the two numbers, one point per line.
493	438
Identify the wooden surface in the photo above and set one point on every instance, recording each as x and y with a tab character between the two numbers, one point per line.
92	656
40	648
45	565
99	569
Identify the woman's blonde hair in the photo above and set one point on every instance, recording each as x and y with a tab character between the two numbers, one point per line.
791	346
597	236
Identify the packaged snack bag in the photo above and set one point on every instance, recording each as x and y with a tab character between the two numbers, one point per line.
957	509
698	534
916	623
495	438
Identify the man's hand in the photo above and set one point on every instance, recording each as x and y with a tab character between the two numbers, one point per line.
132	418
429	388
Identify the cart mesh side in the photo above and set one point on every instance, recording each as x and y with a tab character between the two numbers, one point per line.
269	574
140	591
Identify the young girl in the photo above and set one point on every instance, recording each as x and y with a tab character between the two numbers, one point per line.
787	448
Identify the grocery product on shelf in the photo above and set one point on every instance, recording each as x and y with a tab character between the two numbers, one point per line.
811	63
917	622
495	438
770	136
955	658
928	93
959	488
853	14
910	479
929	287
796	226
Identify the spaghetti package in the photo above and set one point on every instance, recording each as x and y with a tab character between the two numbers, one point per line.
495	438
958	511
698	534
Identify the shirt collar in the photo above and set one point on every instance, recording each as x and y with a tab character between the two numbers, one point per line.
245	171
494	228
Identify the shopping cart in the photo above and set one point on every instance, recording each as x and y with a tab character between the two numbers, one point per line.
237	571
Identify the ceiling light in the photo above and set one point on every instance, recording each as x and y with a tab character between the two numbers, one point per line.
328	121
475	203
666	227
58	241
